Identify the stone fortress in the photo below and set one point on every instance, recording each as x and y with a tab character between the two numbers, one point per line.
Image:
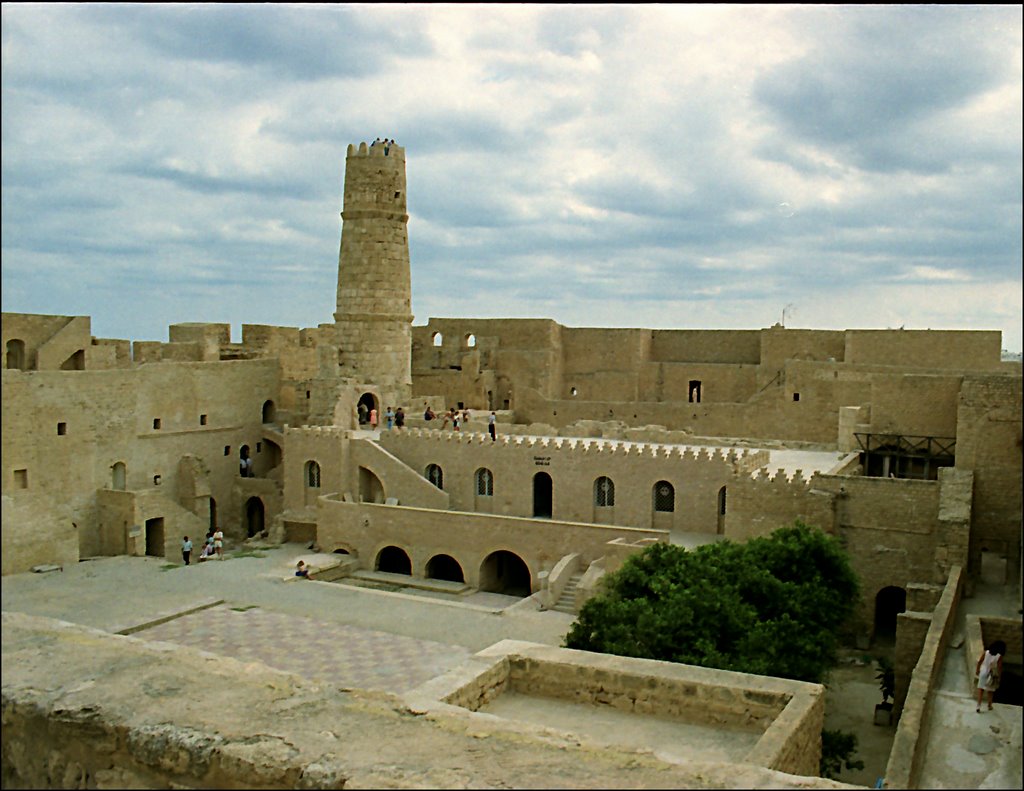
907	446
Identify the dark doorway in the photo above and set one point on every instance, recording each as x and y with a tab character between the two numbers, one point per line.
254	516
366	403
269	412
542	496
694	391
889	603
445	567
394	560
155	537
213	514
505	572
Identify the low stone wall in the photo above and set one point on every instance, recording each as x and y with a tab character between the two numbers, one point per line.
788	714
908	746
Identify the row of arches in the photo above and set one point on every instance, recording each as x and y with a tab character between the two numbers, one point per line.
501	571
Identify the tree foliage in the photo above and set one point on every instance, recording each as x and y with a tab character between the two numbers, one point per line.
770	606
837	749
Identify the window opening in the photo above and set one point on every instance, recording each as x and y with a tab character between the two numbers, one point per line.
435	475
604	492
694	391
664	497
484	482
312	475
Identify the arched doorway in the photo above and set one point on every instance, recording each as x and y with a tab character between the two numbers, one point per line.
15	355
445	567
394	560
254	516
269	411
367	401
371	490
244	462
889	602
505	572
542	496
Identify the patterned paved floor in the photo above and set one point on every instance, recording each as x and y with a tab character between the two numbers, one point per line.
348	656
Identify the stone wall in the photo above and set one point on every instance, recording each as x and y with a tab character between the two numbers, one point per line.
697	475
904	766
364	529
67	435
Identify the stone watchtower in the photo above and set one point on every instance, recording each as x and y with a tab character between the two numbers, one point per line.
374	308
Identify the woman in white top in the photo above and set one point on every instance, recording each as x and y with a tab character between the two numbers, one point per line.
989	670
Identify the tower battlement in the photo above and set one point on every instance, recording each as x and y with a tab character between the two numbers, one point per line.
379	150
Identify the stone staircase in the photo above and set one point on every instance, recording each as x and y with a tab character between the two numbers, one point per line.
567	601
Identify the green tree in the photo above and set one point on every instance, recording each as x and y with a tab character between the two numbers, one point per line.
837	749
771	606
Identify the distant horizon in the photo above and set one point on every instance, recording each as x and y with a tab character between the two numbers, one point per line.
654	166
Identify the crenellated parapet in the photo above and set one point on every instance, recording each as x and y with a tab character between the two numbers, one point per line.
375	150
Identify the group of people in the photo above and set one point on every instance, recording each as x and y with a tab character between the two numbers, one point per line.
458	419
392	418
385	142
212	547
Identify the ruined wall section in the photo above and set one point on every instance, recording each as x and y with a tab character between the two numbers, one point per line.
53	343
989	444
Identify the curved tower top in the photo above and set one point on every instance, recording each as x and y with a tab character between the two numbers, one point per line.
373	313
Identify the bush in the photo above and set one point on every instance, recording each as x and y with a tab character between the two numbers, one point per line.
771	606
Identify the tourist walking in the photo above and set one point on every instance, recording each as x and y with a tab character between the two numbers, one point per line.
186	550
399	418
373	419
218	544
389	416
989	671
492	421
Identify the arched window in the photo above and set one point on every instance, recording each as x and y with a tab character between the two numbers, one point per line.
604	492
484	482
312	475
664	496
16	355
721	501
269	412
470	341
437	338
435	475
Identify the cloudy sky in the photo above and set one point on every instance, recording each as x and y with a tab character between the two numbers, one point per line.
627	166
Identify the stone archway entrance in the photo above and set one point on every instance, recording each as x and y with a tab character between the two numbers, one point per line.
367	402
505	572
889	602
394	560
445	567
